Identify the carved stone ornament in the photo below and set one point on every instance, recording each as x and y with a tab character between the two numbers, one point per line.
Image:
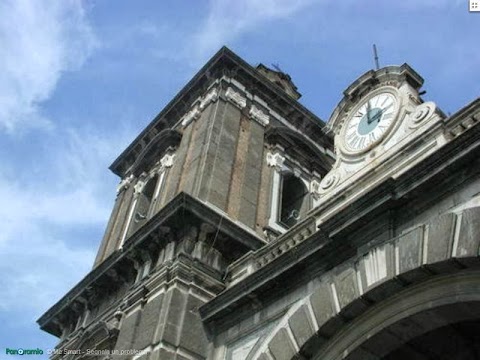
259	116
236	98
139	186
422	113
315	189
167	160
193	114
125	183
211	96
275	160
328	183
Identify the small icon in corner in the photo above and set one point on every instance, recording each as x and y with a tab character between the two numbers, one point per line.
474	5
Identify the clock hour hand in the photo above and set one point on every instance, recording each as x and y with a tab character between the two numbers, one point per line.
377	116
369	120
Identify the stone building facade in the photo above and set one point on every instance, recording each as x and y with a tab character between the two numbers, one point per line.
246	228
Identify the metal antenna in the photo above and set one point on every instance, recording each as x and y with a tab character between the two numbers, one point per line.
277	67
375	54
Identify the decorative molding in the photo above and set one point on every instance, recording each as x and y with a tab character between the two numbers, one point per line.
236	98
125	183
167	161
422	113
315	189
193	114
211	96
328	182
276	160
259	116
139	186
465	124
375	265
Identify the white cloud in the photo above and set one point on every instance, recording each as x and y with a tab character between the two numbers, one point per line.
43	251
227	20
40	40
37	270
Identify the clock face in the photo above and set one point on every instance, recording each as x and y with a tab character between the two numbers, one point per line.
370	122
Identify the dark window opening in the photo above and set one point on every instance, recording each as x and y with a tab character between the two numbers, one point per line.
143	206
293	195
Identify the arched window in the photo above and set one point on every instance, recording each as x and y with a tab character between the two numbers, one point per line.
292	198
144	203
145	199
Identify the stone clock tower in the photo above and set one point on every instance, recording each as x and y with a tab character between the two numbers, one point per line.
245	228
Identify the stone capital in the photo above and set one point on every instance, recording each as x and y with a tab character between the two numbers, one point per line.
167	161
236	98
211	96
192	115
125	183
259	116
276	160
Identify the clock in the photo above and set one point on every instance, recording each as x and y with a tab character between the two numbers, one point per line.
370	122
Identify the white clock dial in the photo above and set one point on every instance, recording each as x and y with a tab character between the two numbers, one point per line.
370	122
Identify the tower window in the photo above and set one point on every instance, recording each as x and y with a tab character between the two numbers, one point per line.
293	195
144	206
145	200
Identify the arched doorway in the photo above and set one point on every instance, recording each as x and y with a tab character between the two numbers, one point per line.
437	319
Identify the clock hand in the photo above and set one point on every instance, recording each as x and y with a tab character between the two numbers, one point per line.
377	116
369	119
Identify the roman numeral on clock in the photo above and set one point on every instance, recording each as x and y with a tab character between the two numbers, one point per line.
354	142
361	143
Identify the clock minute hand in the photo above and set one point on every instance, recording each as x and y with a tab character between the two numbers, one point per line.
378	115
369	119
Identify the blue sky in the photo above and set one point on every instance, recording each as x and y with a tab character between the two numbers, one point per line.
80	79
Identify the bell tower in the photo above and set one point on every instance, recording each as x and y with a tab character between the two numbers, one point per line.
231	163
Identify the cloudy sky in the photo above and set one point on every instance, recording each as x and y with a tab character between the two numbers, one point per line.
80	79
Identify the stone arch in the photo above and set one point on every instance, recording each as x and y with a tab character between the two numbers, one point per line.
447	247
421	308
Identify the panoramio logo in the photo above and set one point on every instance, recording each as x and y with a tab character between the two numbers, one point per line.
21	351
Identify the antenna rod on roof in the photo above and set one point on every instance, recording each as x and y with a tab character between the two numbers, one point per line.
375	54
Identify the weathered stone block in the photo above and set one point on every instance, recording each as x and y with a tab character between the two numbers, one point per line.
346	286
322	304
148	323
247	213
410	255
263	357
440	241
162	354
127	331
469	236
170	318
193	336
301	324
377	268
281	346
410	250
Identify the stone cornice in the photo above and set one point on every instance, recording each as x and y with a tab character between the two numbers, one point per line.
224	63
103	275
